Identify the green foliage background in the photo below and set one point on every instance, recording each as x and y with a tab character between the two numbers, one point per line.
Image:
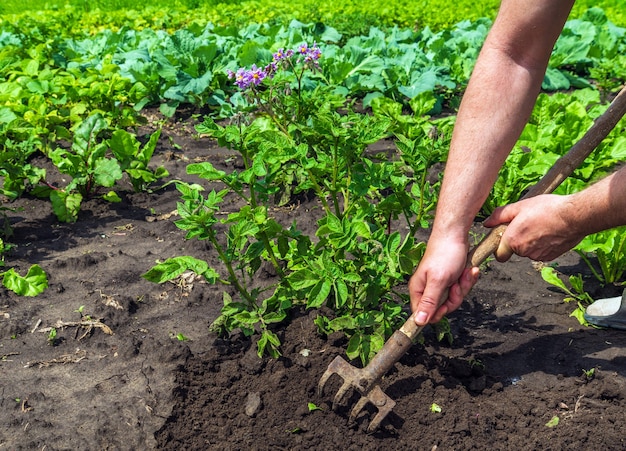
348	16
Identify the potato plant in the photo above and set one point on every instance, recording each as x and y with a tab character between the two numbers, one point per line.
294	140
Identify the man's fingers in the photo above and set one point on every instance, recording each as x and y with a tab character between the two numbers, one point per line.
468	280
502	215
425	309
430	310
504	251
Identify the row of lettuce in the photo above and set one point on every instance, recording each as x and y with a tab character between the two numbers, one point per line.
350	17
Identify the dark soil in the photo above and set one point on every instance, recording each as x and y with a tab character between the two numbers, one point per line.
516	362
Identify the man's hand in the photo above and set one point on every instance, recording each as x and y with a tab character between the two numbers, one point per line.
540	228
441	281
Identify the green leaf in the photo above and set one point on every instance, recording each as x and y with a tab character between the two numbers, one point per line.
342	323
550	275
107	171
318	294
312	407
181	337
423	103
360	228
32	284
168	109
66	205
341	292
86	134
174	267
205	170
554	421
112	196
6	115
269	343
354	346
435	408
123	145
302	279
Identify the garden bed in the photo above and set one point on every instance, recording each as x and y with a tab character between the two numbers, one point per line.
133	365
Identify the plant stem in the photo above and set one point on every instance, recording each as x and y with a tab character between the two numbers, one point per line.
588	262
231	272
335	176
272	255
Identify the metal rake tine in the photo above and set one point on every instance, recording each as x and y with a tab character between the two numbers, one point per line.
323	380
378	418
383	403
362	380
357	409
347	385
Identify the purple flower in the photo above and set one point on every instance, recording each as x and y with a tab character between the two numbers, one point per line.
256	75
313	54
310	54
279	55
245	78
242	78
271	68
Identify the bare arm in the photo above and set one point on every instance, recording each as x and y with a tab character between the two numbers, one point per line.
496	106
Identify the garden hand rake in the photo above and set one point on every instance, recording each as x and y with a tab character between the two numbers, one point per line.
366	380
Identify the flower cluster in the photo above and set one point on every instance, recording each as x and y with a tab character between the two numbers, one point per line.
245	78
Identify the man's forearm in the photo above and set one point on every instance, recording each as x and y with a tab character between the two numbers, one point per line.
601	206
488	125
496	106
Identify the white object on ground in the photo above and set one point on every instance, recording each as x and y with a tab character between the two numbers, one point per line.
604	307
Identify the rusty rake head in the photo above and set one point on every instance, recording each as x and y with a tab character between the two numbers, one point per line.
364	383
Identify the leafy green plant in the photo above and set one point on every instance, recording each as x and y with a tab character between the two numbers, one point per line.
34	282
298	143
589	374
181	337
554	421
574	293
88	165
83	316
134	159
252	239
609	247
17	172
95	162
435	408
312	407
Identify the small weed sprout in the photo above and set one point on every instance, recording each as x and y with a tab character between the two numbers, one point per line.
52	336
554	421
435	408
80	310
312	407
589	374
575	291
181	337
